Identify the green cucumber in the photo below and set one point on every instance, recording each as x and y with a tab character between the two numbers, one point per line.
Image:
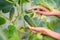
29	21
32	23
11	14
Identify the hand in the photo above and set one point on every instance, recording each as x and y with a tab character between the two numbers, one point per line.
44	31
36	30
43	11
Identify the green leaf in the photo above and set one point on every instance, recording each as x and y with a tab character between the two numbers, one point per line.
48	38
1	38
4	3
11	28
2	21
11	33
35	19
7	8
30	37
23	1
12	1
55	23
49	26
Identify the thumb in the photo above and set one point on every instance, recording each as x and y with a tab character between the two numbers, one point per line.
34	32
28	25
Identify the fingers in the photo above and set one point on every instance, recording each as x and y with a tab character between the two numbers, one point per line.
44	13
40	12
28	25
38	29
34	32
32	8
41	8
32	28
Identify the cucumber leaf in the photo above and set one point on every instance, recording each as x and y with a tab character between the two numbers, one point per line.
2	21
11	33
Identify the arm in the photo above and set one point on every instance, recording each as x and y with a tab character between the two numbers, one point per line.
53	34
45	31
46	12
57	13
43	11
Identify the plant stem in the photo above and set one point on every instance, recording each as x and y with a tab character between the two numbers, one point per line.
1	14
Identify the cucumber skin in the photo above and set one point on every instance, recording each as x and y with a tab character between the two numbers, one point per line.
29	21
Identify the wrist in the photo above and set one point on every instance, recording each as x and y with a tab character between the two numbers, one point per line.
46	31
56	13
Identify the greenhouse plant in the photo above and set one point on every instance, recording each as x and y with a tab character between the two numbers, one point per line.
16	19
